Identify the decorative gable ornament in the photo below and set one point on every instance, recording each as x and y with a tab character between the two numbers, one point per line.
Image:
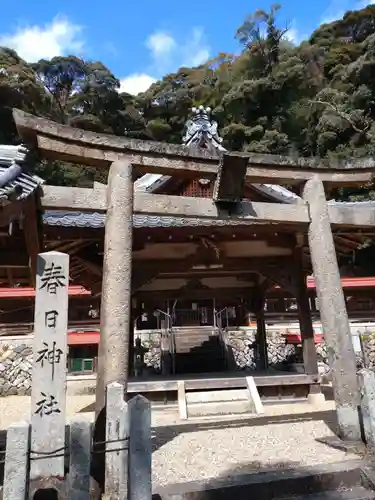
202	132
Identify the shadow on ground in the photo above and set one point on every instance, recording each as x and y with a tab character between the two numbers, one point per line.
285	479
164	434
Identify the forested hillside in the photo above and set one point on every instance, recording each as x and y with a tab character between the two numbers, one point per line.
317	98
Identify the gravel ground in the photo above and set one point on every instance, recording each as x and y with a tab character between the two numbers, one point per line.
221	452
209	448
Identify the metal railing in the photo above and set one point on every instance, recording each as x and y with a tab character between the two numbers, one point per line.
222	332
171	338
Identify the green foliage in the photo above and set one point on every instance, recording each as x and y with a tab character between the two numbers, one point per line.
317	98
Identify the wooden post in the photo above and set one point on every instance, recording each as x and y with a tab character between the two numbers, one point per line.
310	359
333	312
116	449
261	334
181	397
49	367
115	319
254	398
16	462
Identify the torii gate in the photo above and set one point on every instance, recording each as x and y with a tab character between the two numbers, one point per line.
310	214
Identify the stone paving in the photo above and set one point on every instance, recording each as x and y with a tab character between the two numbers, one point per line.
285	436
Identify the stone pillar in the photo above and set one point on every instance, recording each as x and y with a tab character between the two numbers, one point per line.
115	316
48	393
333	312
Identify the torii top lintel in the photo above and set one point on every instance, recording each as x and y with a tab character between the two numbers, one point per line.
62	142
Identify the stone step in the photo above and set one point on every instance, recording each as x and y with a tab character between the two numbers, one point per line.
220	408
205	344
195	340
197	350
222	402
195	331
195	336
194	327
217	396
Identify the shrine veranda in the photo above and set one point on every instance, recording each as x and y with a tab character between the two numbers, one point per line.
236	239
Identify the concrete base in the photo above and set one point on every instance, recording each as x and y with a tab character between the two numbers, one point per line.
317	399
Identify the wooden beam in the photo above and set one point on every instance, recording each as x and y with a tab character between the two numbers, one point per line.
194	264
32	235
90	266
10	212
83	147
142	277
83	199
10	277
70	247
14	259
232	294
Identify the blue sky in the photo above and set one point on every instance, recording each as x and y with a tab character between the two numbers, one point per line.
140	41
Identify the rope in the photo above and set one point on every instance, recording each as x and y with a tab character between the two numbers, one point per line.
63	451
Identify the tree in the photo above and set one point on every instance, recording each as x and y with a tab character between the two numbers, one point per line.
317	98
18	88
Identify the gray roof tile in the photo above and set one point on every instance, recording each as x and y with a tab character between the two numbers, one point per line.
12	166
95	220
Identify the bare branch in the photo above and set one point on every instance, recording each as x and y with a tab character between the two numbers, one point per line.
345	117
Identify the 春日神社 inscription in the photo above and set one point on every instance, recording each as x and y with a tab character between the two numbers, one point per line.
48	397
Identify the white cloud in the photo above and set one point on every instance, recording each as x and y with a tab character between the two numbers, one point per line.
136	83
35	42
167	54
161	44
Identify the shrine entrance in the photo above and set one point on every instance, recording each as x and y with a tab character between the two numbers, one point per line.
285	235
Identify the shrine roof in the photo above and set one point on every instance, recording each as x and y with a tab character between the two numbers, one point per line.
202	130
16	183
